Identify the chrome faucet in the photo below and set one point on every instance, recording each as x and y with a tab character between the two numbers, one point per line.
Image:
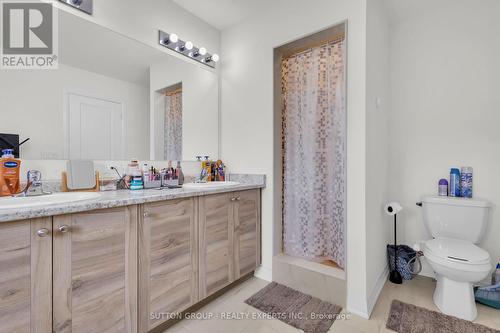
35	185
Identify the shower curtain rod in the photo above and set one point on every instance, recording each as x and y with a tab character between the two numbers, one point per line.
173	92
333	41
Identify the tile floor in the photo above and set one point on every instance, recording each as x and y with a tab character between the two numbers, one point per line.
418	291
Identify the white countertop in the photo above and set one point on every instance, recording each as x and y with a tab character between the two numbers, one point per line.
109	199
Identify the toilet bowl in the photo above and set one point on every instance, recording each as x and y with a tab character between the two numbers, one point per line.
458	264
456	225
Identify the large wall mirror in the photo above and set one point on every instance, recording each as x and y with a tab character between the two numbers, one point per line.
112	98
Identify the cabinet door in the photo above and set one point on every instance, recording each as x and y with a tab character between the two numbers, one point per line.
26	276
216	242
168	260
246	232
95	271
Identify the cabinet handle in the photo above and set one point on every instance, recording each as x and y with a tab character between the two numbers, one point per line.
43	232
145	214
233	199
238	198
63	228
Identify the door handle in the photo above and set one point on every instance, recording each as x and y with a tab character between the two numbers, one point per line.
44	232
63	228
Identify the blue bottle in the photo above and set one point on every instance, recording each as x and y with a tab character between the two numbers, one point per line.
495	277
454	182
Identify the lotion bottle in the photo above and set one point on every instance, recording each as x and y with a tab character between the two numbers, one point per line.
9	168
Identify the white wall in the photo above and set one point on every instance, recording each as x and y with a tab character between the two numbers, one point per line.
200	108
34	101
377	148
444	105
51	169
141	20
247	114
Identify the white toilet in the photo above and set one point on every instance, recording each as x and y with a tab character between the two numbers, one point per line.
456	225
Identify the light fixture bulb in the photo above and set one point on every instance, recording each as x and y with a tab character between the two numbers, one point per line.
173	38
215	57
202	51
188	45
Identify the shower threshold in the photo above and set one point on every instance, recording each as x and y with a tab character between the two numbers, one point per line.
313	278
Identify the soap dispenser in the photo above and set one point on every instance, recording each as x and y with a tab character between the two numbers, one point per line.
9	170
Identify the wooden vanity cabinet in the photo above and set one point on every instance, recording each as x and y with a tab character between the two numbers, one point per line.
124	269
26	276
216	223
168	260
229	227
246	232
95	271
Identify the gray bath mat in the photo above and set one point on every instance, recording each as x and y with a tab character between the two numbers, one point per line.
408	318
295	308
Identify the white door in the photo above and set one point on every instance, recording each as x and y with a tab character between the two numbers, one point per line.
95	128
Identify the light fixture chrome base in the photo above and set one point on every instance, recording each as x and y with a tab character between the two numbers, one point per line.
163	39
86	6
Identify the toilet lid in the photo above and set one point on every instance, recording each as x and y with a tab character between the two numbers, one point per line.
457	250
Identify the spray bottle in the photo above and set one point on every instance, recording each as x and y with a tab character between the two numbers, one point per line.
495	277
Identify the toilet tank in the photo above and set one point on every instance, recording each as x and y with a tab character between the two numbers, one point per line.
458	218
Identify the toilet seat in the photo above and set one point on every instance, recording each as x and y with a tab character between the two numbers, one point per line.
456	253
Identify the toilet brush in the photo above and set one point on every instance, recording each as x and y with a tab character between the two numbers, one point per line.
393	208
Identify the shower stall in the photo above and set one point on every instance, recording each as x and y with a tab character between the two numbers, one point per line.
312	106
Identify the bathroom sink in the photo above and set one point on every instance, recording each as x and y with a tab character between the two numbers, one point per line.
209	185
55	198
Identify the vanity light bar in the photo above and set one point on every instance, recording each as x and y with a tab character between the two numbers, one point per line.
187	49
86	6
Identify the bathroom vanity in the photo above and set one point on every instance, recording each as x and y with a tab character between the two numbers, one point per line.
117	261
125	262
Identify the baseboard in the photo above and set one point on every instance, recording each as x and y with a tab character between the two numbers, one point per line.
374	295
264	273
357	312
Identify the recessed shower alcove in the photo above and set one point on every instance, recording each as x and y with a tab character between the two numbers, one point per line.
310	136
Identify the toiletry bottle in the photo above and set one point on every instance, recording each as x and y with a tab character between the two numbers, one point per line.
170	171
466	182
208	169
443	188
163	177
145	173
9	169
128	172
454	182
495	277
222	172
213	169
135	173
180	174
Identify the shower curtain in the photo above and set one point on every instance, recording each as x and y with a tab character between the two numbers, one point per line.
173	126
314	153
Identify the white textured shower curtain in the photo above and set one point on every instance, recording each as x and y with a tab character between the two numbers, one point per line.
314	153
173	126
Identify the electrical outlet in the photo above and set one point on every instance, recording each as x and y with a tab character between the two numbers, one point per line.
48	155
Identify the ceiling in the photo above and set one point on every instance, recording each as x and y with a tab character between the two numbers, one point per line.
222	14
